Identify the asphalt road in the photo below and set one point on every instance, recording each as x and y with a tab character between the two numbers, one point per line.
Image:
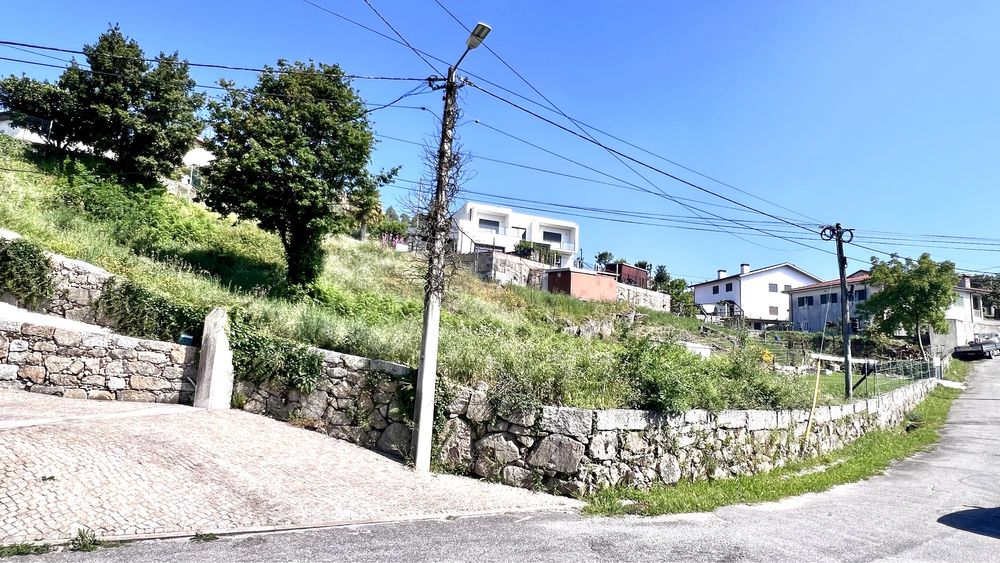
941	505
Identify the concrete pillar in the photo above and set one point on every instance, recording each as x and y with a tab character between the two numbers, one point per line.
214	388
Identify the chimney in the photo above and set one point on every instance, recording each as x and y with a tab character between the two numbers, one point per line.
744	268
966	281
722	274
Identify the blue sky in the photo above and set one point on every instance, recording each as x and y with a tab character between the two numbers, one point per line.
880	115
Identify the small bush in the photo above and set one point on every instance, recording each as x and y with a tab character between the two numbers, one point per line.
10	550
25	273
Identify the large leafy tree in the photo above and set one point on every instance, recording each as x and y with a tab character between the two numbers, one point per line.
364	202
914	294
144	115
991	283
289	152
604	258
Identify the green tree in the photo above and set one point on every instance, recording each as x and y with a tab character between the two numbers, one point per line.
604	258
914	294
681	300
391	214
144	115
288	153
645	265
661	278
364	201
49	110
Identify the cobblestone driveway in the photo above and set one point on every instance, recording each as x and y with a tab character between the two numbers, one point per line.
132	469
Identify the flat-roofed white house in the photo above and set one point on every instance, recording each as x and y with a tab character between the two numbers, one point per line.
759	296
483	227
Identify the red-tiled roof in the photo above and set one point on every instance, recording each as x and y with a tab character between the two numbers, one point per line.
856	277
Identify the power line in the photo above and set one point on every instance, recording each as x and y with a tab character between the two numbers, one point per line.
18	46
580	125
401	38
633	159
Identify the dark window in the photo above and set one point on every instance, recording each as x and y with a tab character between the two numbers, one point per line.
772	287
551	237
802	301
788	288
729	286
834	297
772	310
757	326
824	299
489	225
715	289
809	300
861	294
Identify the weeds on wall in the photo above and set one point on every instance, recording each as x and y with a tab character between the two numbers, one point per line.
25	273
259	357
138	312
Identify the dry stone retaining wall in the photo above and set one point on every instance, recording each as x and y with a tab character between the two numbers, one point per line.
568	450
78	286
83	365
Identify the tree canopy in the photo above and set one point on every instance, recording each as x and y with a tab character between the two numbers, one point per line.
604	258
144	115
289	153
913	294
681	300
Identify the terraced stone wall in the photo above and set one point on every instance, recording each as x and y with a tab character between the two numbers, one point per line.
85	365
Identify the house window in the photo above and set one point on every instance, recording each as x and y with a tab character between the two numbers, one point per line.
861	294
489	225
809	300
772	287
824	299
772	310
729	286
551	237
802	301
715	290
788	287
834	297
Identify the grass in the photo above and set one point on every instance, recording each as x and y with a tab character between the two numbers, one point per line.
202	537
865	457
84	540
15	549
958	371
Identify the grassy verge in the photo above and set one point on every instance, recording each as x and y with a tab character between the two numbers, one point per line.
958	371
868	456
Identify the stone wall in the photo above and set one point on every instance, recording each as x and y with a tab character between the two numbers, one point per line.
568	450
367	402
85	365
503	269
643	297
78	286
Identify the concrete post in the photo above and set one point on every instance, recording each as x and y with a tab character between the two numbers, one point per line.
214	388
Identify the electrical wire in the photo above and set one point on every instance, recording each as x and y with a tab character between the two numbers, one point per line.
400	35
25	46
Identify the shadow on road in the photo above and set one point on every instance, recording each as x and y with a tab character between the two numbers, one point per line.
982	521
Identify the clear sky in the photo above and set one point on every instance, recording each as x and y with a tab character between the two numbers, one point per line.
880	115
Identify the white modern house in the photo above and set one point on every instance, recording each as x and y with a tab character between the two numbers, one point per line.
759	296
480	227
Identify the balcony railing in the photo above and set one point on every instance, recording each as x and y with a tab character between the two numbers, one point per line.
568	246
494	231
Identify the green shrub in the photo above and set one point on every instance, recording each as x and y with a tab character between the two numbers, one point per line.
25	273
139	312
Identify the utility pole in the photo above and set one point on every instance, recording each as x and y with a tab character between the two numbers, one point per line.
843	235
434	287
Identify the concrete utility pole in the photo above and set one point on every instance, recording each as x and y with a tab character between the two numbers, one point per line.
843	235
434	288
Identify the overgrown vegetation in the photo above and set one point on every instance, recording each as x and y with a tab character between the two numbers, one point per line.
180	260
84	540
25	273
865	457
14	549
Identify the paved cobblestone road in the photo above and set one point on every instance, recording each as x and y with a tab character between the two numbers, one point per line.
130	469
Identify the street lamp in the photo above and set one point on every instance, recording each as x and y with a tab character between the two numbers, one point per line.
434	288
